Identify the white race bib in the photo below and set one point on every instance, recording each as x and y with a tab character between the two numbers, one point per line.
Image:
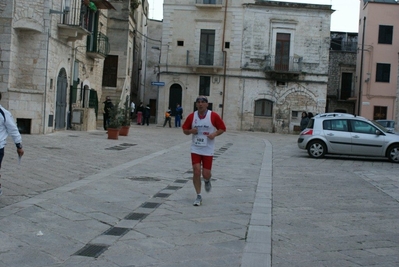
200	140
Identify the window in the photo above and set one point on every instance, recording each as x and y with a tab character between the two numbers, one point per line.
89	18
294	114
110	71
280	83
380	113
282	52
207	47
335	125
362	127
227	45
180	43
383	72
385	34
263	107
346	85
205	85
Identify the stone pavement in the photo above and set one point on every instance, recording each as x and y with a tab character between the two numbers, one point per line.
79	199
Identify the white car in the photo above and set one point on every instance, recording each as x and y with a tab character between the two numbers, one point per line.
388	124
346	134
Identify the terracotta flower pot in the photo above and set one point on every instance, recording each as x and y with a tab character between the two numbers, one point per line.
124	131
113	133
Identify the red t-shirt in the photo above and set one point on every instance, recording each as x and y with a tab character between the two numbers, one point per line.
215	119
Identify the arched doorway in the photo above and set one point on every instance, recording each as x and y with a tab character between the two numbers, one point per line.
175	97
60	108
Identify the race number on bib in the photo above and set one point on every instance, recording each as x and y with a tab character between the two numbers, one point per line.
200	140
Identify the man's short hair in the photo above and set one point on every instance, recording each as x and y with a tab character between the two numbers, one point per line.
202	98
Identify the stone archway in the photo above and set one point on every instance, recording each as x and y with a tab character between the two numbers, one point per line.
175	97
293	103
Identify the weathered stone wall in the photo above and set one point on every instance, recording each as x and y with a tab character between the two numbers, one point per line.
251	31
339	61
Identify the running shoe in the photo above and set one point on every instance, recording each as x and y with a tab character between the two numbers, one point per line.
198	201
208	185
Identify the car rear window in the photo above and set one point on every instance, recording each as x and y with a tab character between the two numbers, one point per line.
310	124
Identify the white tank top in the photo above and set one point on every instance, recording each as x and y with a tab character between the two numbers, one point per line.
201	144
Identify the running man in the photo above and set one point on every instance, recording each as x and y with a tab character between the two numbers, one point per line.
204	125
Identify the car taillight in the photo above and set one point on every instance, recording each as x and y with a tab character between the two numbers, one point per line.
307	132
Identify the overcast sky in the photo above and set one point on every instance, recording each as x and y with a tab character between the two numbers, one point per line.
344	19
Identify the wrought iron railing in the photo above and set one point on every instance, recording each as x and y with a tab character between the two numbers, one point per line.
77	16
98	43
197	58
283	64
343	46
209	2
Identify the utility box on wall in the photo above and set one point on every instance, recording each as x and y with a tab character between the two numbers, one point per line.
77	116
83	119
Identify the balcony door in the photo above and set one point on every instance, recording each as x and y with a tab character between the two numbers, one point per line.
282	59
207	47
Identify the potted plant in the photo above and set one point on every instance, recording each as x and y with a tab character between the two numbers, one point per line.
125	122
114	122
134	4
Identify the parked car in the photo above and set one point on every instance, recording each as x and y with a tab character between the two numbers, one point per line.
388	124
346	134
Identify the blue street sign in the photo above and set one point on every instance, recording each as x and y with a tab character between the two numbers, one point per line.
158	83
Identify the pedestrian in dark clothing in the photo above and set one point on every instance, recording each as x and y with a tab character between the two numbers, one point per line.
179	115
304	121
107	107
146	115
310	115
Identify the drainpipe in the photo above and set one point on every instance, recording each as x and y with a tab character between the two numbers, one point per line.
224	58
361	68
46	76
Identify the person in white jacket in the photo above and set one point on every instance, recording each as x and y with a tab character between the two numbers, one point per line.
8	127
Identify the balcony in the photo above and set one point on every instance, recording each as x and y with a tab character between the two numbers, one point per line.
213	60
97	45
209	3
71	25
343	46
283	68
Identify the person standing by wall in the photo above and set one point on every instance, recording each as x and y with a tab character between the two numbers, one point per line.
8	127
139	113
304	121
179	115
204	125
107	107
146	115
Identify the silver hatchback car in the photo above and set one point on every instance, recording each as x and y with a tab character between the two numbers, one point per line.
346	134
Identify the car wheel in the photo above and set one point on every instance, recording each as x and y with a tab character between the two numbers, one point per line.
317	149
393	153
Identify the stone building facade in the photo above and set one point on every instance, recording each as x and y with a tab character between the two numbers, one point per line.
127	23
261	63
52	55
153	45
342	73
